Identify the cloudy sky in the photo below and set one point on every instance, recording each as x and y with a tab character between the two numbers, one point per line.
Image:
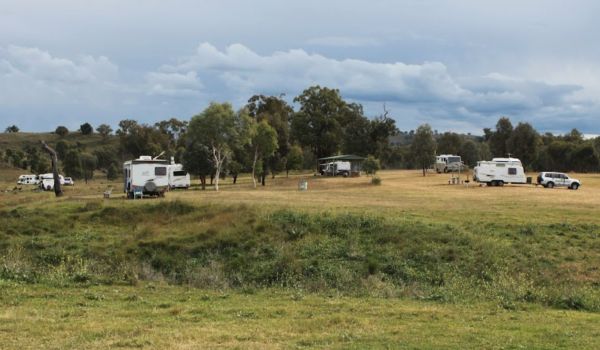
457	65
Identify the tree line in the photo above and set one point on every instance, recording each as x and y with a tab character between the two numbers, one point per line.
267	137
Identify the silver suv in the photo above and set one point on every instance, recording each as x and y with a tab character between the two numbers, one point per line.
552	179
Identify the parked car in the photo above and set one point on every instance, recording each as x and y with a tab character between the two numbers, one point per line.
554	179
69	181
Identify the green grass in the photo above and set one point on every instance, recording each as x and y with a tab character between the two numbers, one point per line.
412	263
157	316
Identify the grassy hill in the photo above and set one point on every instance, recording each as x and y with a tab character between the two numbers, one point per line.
349	262
21	139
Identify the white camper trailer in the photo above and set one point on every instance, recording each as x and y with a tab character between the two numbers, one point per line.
447	163
47	181
146	176
28	180
500	171
178	178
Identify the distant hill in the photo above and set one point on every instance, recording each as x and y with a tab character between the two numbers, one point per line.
19	140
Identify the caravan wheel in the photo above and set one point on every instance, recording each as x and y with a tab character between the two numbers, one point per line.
500	183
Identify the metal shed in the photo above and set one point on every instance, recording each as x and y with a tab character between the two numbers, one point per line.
355	162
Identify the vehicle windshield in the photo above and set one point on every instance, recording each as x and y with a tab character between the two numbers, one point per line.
453	159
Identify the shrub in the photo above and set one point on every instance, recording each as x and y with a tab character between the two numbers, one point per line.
376	181
61	131
371	165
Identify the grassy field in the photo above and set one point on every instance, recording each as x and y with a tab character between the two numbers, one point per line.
412	263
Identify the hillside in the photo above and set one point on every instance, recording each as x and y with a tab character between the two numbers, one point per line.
21	139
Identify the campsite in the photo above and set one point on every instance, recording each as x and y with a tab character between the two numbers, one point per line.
299	174
316	268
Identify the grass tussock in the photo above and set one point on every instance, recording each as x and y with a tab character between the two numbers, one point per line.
238	247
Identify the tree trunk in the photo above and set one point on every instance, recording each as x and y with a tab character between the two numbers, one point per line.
263	176
287	173
203	181
218	158
254	166
424	171
234	178
57	189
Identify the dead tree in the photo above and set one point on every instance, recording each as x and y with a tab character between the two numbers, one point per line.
57	189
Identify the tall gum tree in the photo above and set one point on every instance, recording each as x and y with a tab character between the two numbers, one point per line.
217	129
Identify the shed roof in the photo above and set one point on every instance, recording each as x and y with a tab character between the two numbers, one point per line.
344	157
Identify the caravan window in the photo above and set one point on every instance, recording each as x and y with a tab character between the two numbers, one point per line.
160	171
500	165
180	173
512	171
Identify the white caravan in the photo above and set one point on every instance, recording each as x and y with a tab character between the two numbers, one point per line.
146	176
47	181
336	168
447	163
178	178
500	171
28	180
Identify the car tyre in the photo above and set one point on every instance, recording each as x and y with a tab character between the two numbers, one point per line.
575	186
550	185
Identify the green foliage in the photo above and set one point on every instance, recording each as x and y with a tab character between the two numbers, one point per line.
89	163
197	161
449	143
423	147
376	180
104	130
499	138
140	139
72	164
112	172
278	114
86	129
12	129
317	125
470	153
295	159
217	129
61	131
524	143
61	149
243	248
263	139
371	165
106	157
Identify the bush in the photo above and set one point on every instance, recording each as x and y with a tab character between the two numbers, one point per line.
371	165
376	181
86	129
61	131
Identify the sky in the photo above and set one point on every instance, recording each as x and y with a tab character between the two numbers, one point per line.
457	65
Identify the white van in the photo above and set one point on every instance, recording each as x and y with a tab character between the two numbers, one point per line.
500	171
28	180
178	178
447	163
47	181
146	176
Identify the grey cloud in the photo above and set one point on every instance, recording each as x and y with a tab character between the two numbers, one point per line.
428	86
173	84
